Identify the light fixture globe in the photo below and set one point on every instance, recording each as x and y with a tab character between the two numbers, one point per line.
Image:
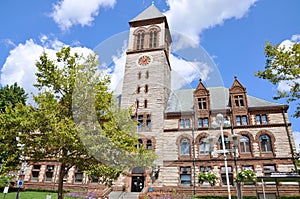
219	117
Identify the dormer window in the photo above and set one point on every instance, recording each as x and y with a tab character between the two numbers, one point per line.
202	104
239	100
261	119
241	120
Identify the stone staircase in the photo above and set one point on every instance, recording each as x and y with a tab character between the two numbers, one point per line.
123	195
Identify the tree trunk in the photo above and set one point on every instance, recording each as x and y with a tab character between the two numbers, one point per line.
61	181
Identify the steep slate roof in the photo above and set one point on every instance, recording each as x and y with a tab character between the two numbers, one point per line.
150	13
182	100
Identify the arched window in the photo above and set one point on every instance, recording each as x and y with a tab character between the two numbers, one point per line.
185	147
265	143
153	38
245	144
140	40
203	147
149	144
146	88
145	104
140	144
147	74
226	142
139	75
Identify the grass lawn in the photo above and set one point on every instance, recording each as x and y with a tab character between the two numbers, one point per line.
30	195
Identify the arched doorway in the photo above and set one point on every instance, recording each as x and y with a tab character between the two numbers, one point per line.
137	179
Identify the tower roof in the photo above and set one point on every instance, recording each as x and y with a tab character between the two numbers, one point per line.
151	12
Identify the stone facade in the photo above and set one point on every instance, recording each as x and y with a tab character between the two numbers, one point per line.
180	136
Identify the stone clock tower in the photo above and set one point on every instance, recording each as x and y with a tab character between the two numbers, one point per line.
147	77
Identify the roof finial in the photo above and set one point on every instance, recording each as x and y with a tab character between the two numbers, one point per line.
153	2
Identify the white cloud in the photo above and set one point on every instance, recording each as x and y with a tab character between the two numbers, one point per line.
296	38
117	72
185	72
287	45
20	64
191	17
68	13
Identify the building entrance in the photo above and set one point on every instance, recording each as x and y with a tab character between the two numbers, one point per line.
137	183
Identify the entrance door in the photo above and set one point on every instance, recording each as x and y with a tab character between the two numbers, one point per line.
137	183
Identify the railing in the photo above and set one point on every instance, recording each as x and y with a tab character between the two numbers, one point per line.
105	192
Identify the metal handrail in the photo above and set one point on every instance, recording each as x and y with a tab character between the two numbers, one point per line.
106	191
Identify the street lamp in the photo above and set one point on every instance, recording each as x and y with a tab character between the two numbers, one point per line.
220	123
236	138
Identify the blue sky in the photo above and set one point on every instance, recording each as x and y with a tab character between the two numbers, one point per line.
232	32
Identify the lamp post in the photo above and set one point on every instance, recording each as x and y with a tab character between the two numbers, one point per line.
22	170
236	139
220	123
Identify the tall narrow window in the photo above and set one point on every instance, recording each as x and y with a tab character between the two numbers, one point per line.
35	173
146	88
138	89
153	38
187	123
239	100
140	144
223	175
148	122
145	104
245	144
185	176
185	146
204	146
140	122
78	175
226	142
265	143
181	123
139	75
238	120
140	40
149	144
147	74
264	119
244	119
202	122
202	103
248	167
49	173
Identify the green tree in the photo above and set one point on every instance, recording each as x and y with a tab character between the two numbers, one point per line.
75	120
283	65
10	96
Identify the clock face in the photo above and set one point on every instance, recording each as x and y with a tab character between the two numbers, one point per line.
144	60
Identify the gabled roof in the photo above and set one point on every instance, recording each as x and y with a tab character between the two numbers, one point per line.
182	100
150	13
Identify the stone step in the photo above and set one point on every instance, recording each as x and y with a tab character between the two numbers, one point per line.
123	195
